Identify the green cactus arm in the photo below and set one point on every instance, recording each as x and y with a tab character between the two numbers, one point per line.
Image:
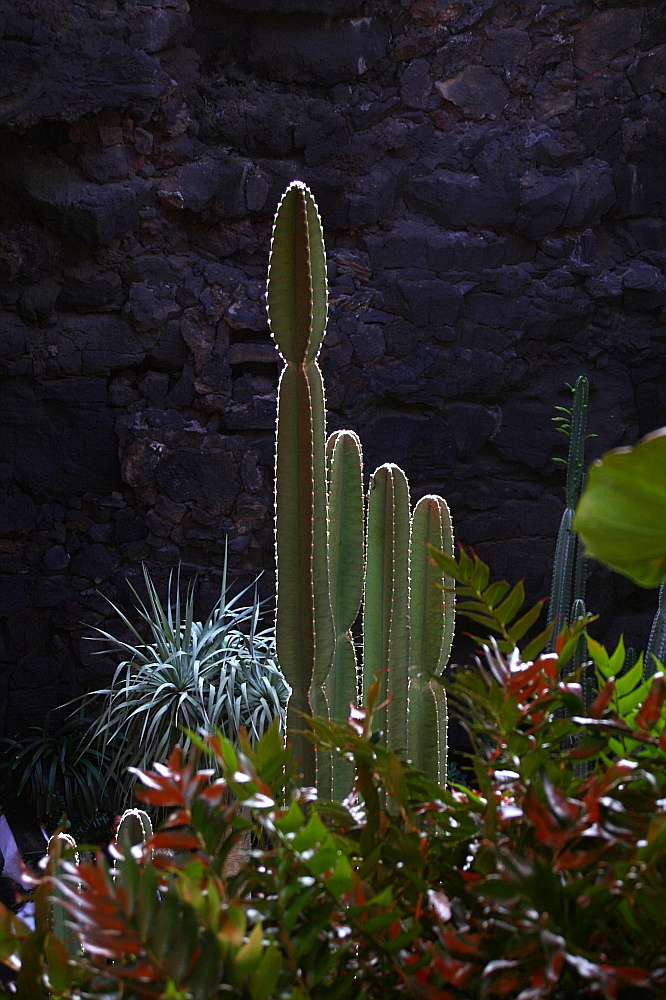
345	529
297	290
432	592
386	597
432	606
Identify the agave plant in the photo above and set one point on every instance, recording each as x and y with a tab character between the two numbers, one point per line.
189	676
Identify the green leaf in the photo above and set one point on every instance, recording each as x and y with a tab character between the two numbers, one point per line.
248	955
493	594
621	516
510	607
264	980
292	820
60	973
340	879
314	833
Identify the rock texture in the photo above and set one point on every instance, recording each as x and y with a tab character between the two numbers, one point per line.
492	181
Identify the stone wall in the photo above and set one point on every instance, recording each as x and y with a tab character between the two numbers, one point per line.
492	181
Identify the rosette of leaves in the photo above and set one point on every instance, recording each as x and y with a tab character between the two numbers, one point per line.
187	676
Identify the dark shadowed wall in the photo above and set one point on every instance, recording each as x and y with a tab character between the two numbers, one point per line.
492	181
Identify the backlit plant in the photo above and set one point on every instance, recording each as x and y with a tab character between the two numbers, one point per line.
220	674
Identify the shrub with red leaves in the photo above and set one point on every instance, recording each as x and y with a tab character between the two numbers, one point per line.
537	883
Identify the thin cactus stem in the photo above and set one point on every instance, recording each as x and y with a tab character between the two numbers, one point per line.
568	580
386	598
576	457
432	601
344	465
655	655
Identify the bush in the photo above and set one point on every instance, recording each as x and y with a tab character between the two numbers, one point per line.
189	676
537	883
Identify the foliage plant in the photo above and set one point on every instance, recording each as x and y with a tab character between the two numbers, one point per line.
537	883
187	675
61	772
322	576
621	516
497	607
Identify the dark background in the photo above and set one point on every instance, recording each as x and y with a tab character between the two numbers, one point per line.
492	181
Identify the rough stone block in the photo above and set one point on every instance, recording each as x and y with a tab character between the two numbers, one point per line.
544	202
158	29
248	352
649	233
309	51
99	293
603	35
416	84
506	48
209	479
593	193
94	213
73	72
328	7
150	308
57	439
428	303
477	91
103	164
459	199
649	73
194	185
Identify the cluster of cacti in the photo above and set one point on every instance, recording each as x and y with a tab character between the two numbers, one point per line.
567	593
327	565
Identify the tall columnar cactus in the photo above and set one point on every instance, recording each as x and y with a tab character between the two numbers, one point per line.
297	299
386	598
432	600
320	575
345	552
569	568
656	647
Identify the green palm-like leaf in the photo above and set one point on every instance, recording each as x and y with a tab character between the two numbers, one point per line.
497	607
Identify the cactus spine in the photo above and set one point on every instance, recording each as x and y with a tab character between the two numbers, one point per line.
569	568
297	298
320	572
432	600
